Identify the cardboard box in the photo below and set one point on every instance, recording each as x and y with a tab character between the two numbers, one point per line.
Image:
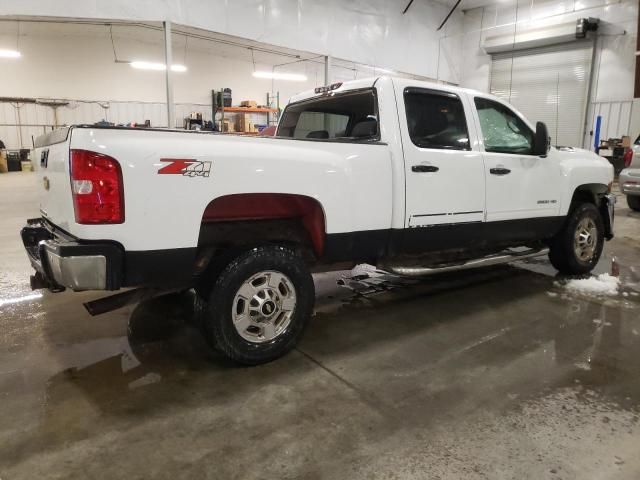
4	166
626	141
227	126
244	123
26	166
249	103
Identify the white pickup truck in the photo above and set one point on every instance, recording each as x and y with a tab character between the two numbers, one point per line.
410	176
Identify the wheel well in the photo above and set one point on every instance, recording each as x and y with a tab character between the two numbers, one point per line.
250	218
588	193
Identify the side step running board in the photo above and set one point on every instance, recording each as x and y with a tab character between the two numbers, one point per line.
477	263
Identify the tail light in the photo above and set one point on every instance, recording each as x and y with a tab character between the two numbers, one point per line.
96	184
628	156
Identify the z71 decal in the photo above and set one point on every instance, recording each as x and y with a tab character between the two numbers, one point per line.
185	167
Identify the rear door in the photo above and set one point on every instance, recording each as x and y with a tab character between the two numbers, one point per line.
445	186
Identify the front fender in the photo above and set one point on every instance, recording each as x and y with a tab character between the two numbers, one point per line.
583	171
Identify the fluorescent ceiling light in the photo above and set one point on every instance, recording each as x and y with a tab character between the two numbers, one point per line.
157	66
296	77
10	54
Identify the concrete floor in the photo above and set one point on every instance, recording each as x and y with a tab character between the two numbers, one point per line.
498	373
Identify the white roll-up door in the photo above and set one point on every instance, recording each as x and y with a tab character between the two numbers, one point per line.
547	84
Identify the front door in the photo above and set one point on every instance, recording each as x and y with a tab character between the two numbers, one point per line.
445	185
520	185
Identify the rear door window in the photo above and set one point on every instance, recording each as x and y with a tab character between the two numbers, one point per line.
436	119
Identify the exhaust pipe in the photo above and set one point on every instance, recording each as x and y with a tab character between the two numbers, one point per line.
477	263
122	299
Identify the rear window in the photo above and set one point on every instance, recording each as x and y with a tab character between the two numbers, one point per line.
349	116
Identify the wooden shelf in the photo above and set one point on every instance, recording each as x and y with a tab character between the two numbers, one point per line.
248	110
241	133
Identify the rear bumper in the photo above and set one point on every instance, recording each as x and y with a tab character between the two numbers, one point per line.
61	261
629	181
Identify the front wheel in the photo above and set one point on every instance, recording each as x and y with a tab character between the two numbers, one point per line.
634	202
260	305
576	249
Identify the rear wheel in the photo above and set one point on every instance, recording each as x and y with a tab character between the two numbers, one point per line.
576	249
634	202
260	305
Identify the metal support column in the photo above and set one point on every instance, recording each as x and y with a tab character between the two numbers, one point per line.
168	61
327	69
636	84
327	81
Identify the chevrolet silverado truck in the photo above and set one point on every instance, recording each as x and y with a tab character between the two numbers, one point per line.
413	177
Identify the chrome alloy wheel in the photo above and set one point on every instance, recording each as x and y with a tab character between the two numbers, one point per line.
585	239
263	306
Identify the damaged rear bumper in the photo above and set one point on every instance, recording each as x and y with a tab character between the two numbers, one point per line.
62	261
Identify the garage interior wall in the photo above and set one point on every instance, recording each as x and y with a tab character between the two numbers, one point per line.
614	60
79	64
370	32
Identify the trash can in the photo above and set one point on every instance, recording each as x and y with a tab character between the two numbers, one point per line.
13	161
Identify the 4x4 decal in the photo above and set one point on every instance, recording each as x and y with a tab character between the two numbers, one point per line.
185	167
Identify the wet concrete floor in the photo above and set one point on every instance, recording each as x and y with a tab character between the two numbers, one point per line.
500	373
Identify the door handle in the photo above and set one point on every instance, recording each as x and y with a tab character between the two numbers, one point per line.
499	171
424	168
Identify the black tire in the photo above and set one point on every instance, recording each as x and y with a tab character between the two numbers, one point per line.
634	202
218	317
563	255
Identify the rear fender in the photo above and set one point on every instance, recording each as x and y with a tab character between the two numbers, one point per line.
247	207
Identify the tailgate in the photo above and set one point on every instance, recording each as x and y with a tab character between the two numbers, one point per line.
51	160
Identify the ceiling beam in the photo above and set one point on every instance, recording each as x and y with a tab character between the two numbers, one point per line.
450	13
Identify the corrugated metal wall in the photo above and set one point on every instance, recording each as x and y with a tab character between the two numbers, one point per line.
548	84
19	122
616	121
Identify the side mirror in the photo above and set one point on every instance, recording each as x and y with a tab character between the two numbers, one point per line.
541	142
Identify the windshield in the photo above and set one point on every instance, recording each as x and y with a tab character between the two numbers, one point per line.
349	117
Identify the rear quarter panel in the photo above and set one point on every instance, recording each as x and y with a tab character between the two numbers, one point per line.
51	162
351	181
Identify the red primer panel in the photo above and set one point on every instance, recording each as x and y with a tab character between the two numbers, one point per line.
269	206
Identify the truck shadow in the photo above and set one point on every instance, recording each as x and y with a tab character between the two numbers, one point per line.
442	328
164	344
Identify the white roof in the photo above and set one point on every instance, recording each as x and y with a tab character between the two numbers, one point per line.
370	81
